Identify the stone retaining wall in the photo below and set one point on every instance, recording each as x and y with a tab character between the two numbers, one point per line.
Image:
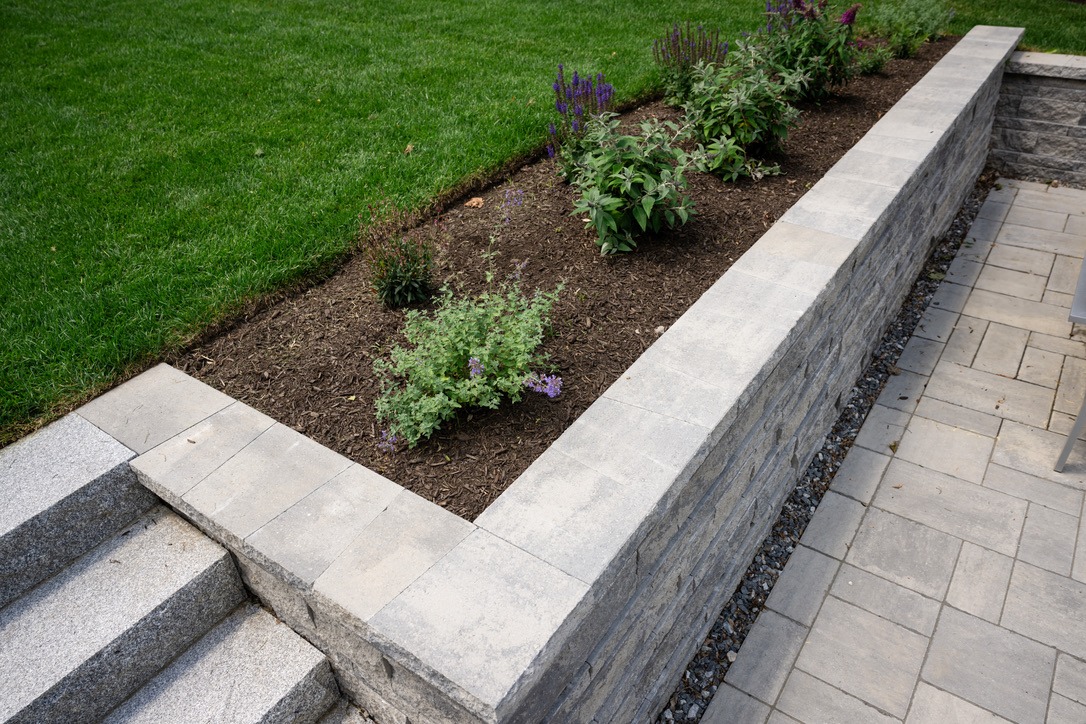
1040	124
582	592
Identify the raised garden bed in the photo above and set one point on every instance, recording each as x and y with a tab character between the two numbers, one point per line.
307	361
581	592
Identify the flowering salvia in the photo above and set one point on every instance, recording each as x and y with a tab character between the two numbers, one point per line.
512	199
549	385
849	16
577	100
680	51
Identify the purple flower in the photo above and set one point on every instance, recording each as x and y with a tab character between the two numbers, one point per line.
849	16
550	151
388	442
553	130
475	367
549	385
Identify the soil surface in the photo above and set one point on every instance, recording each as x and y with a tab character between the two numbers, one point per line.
307	360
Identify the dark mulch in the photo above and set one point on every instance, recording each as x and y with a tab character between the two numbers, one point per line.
307	361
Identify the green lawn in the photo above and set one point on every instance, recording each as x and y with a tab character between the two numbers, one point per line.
164	162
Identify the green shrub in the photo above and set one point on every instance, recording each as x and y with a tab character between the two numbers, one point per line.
808	38
400	270
871	57
678	52
632	184
907	24
740	111
470	352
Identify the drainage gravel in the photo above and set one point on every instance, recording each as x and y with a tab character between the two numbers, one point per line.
707	669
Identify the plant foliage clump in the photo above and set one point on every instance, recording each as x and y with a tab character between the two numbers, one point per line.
470	352
740	111
679	52
632	184
400	270
907	24
805	36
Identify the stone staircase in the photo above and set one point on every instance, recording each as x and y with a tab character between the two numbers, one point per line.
114	608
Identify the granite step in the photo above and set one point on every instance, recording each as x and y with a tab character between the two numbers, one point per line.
78	645
249	668
65	489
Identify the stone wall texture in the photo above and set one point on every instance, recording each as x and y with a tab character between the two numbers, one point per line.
1040	123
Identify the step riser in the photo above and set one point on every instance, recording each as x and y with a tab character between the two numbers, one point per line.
110	677
42	546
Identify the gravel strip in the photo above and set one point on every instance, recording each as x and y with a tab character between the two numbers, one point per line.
707	669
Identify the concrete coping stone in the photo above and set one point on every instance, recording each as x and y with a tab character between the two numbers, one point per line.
481	611
1051	65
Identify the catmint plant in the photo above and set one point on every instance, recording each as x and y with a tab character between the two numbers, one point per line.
678	52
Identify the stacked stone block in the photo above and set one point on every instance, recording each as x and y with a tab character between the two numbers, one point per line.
1040	123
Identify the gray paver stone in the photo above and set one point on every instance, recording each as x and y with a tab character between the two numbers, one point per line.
1048	539
888	600
1047	607
979	585
1070	678
813	700
833	525
907	553
860	473
991	667
933	706
730	705
1034	489
762	669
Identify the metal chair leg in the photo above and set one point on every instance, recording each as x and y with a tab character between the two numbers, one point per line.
1080	423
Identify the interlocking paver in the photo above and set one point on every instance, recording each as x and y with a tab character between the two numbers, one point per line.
888	600
961	417
859	474
965	510
731	705
866	656
1070	678
965	341
991	394
1040	367
1001	350
1055	242
1075	225
1034	489
905	552
1015	312
964	454
833	525
1019	259
1036	218
951	297
920	355
1047	607
763	676
935	706
1078	572
980	582
992	209
1062	710
1064	274
1058	299
803	584
936	324
903	391
1048	539
1044	201
811	700
1034	451
1014	283
1072	386
1060	345
883	427
964	271
990	666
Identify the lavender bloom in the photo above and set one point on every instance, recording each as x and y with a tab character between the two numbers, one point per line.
475	367
388	442
549	385
550	151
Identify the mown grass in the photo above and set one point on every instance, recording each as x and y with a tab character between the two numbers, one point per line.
164	163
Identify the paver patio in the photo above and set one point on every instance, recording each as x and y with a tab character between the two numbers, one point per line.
943	577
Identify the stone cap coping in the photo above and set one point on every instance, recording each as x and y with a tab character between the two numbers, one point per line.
1051	65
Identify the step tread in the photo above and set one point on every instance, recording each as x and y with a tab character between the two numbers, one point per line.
249	668
123	594
66	489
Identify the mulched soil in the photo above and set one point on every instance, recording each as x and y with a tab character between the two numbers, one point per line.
307	360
